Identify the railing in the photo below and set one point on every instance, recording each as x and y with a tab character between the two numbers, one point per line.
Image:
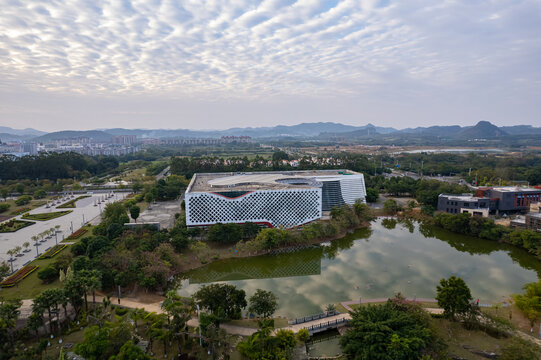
313	317
326	325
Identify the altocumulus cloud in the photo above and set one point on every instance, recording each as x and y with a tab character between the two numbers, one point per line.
259	49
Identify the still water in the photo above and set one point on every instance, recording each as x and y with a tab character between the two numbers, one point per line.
387	258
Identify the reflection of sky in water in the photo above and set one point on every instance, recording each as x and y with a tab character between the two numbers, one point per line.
389	261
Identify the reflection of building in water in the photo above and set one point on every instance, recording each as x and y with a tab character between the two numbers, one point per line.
307	262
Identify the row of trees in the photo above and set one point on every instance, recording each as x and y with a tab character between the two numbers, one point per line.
486	229
54	166
343	218
487	169
187	166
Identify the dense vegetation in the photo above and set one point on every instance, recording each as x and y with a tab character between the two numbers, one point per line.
187	166
55	166
395	330
486	229
488	169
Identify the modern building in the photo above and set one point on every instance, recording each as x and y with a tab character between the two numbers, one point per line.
511	198
465	203
288	198
505	199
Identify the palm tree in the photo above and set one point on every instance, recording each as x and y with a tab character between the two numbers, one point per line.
36	238
11	252
52	231
26	246
18	250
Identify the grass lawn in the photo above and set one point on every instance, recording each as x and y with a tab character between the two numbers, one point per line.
14	209
456	337
31	286
252	323
46	216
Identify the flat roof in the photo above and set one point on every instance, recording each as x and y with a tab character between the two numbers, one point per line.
515	189
462	197
263	180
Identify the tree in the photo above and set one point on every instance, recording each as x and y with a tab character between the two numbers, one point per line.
222	298
95	344
372	195
39	194
529	303
386	332
5	194
390	207
129	351
453	296
48	275
23	200
4	207
303	335
134	212
4	270
263	303
9	312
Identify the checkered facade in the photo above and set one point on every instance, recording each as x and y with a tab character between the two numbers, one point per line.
285	207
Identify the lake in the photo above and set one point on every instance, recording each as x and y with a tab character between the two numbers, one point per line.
387	258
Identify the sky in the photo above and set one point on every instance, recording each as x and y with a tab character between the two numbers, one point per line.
215	64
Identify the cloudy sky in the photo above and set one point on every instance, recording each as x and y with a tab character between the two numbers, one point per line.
80	64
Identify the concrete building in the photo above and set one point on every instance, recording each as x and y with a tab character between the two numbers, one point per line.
511	198
465	203
288	198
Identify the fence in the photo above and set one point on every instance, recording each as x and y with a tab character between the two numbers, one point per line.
313	317
326	325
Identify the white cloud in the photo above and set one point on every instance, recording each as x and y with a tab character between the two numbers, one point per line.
257	50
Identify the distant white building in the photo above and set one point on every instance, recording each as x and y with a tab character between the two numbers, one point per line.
285	198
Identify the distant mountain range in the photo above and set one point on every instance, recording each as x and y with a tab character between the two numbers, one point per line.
318	131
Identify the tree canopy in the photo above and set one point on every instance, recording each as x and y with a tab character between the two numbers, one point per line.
453	296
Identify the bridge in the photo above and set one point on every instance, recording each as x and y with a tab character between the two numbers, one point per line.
320	325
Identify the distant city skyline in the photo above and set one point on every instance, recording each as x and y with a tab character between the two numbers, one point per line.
212	64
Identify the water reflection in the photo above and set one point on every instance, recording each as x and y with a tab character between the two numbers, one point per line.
402	257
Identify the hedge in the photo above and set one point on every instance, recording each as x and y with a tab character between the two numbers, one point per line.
77	234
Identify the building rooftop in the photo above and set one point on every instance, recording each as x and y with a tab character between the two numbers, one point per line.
515	189
462	197
264	180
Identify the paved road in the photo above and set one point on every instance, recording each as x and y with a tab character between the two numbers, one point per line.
163	173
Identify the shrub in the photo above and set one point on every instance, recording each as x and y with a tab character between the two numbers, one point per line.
4	207
47	275
23	200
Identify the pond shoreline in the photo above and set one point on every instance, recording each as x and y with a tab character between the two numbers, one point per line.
225	253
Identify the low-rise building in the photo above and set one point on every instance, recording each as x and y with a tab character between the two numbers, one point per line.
511	198
465	203
284	198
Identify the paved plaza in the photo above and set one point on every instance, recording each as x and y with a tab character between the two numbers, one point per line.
162	212
85	209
